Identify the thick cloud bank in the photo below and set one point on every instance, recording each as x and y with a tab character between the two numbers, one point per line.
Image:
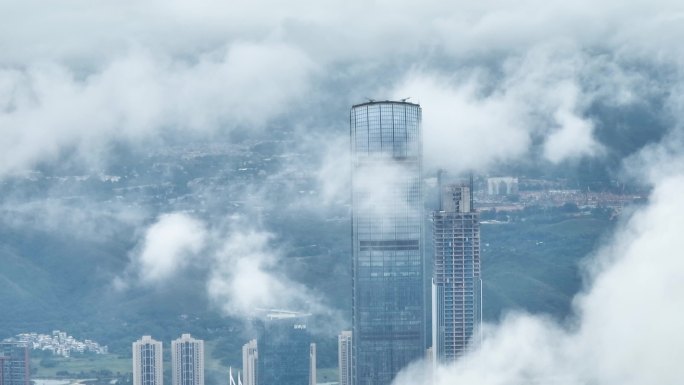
49	109
494	77
627	325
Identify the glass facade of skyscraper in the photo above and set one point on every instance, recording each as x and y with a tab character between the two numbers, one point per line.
456	283
284	349
388	307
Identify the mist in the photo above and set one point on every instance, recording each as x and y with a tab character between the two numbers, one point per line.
624	328
96	89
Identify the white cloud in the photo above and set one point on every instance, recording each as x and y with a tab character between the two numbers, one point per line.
574	136
85	74
462	130
472	122
246	277
170	245
241	265
334	173
47	109
626	329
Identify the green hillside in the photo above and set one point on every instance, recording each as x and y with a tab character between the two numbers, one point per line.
58	274
533	264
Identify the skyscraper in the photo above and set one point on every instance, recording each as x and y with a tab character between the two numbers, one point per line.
14	364
147	362
456	282
388	306
187	361
250	355
344	357
284	348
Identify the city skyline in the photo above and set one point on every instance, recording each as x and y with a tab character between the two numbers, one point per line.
168	167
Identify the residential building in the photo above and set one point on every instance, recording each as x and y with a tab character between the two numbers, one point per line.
250	357
388	278
456	281
187	361
14	364
344	357
147	362
502	186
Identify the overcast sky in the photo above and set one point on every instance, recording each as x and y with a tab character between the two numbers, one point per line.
494	77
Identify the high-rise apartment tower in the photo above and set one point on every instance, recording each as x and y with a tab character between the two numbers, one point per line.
344	357
250	355
187	361
456	281
14	364
388	306
147	362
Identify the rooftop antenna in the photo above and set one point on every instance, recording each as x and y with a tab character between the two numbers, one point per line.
472	208
440	175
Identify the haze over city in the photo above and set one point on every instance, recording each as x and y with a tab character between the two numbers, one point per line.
221	169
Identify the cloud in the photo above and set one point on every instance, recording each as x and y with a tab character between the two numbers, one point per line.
642	290
379	28
574	137
473	122
246	277
625	329
170	245
334	172
462	131
241	265
147	71
139	98
77	218
387	190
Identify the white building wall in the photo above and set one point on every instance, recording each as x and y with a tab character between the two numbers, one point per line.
250	356
147	362
187	361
